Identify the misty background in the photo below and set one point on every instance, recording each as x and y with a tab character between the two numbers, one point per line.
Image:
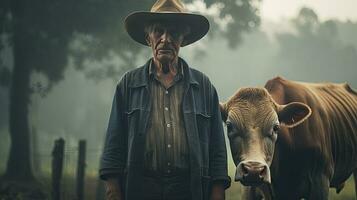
299	45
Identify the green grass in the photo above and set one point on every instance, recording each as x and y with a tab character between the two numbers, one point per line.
348	193
233	193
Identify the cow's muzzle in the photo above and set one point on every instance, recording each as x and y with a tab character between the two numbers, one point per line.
252	173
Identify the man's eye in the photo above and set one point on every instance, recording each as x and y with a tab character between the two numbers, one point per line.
159	31
174	34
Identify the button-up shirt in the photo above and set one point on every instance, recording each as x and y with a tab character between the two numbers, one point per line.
166	141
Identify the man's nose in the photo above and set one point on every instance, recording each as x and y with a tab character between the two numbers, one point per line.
166	37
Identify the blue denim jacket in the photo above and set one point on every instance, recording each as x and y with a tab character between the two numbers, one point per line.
123	154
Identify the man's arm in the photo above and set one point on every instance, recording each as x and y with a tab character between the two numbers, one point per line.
218	153
218	191
113	189
114	155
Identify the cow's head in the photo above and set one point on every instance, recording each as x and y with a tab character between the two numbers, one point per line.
253	120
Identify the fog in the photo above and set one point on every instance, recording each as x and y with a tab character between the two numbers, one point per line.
302	48
78	107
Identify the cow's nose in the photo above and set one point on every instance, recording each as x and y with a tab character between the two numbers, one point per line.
254	169
252	173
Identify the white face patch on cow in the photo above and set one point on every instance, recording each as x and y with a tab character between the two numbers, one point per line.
252	134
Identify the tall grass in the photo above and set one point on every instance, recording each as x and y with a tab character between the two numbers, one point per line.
348	193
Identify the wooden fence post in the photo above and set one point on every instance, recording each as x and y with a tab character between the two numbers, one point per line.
57	168
81	169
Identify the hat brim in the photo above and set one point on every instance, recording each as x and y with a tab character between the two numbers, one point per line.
135	24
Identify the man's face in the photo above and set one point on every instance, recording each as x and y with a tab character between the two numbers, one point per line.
165	41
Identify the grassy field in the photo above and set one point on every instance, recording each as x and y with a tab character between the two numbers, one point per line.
233	193
348	193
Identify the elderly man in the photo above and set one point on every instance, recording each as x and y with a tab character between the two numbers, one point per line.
165	137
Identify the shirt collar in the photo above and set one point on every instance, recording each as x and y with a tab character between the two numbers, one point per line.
152	70
140	78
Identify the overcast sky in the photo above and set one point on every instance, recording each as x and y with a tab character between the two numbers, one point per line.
275	10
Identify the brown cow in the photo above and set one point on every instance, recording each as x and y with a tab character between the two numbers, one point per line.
300	137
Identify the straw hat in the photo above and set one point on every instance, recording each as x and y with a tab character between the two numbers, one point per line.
171	11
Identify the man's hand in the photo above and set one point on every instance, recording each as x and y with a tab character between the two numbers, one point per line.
112	189
218	192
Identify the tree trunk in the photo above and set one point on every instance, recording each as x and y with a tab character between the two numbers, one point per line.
19	164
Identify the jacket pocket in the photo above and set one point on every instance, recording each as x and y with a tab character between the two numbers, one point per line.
134	122
130	112
203	121
132	116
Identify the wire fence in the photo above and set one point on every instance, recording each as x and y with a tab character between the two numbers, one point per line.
43	170
93	188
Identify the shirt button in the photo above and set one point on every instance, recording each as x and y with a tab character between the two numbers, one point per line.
169	171
168	164
169	146
168	125
166	108
166	92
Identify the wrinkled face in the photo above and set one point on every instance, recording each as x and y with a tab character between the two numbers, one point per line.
253	120
165	40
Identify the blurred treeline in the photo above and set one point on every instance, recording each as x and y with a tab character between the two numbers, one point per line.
60	62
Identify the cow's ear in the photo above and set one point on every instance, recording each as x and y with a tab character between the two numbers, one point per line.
224	112
293	114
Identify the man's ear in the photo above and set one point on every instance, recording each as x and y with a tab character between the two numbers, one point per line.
293	114
224	112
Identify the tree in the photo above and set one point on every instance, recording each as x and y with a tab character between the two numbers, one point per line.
46	35
315	52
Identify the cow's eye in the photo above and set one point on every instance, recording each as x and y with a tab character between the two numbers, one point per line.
276	128
229	126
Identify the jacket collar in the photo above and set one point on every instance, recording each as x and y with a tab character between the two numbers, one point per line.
141	78
152	71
